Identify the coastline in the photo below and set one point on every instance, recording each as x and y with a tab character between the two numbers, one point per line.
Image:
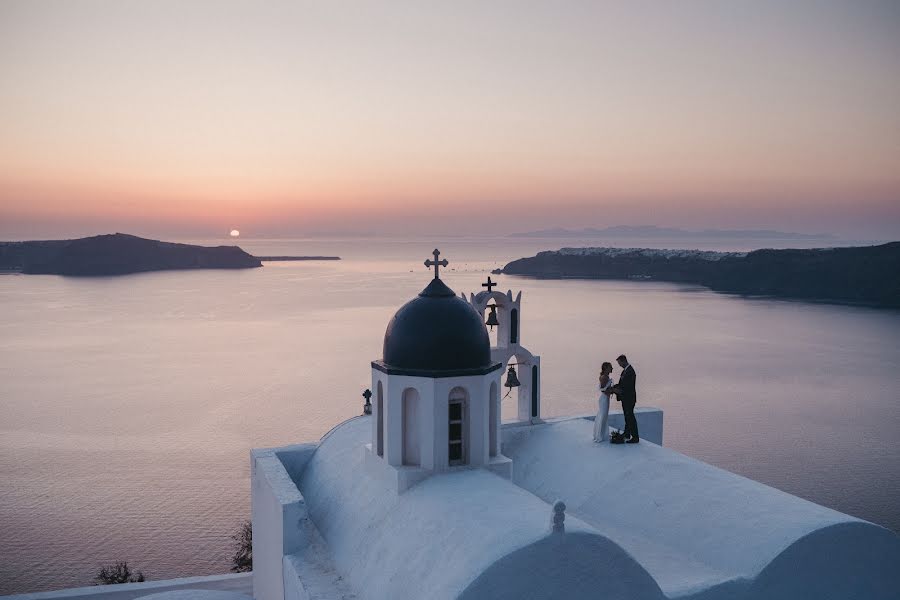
854	276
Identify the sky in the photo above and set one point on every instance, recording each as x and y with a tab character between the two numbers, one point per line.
468	117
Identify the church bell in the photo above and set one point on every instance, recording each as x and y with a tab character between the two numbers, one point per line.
512	380
492	317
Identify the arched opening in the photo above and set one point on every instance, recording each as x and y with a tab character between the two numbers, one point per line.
411	427
535	386
493	419
493	332
379	410
509	397
458	426
514	326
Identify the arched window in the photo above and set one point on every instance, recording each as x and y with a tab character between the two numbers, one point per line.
514	326
494	419
379	410
458	425
411	427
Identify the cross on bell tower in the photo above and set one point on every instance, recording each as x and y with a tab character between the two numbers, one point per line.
437	264
489	284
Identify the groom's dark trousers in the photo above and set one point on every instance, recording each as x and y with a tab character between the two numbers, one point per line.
628	397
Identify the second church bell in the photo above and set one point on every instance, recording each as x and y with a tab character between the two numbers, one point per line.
512	380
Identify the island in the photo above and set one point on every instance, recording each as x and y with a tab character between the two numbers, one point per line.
121	254
865	275
117	254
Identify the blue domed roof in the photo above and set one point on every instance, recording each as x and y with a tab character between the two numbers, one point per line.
436	334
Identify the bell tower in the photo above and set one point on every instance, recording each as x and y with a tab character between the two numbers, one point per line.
523	369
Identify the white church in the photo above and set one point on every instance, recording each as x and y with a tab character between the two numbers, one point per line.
431	496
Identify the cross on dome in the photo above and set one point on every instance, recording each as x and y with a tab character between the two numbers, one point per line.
437	264
489	284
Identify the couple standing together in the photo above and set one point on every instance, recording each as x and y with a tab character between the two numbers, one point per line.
626	394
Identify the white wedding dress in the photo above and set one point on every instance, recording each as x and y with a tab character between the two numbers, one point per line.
601	427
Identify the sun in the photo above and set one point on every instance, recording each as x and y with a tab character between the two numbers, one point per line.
235	233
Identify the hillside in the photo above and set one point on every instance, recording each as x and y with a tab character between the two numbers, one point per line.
117	254
869	275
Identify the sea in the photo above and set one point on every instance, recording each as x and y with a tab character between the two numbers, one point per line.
129	405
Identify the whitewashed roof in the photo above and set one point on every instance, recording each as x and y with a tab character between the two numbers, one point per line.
642	522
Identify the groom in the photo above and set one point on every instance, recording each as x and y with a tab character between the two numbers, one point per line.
627	395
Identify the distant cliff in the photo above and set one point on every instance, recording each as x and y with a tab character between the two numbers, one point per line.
869	275
117	254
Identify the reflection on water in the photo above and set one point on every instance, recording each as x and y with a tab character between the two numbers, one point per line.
129	404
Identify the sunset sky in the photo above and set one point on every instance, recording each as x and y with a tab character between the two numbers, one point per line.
288	118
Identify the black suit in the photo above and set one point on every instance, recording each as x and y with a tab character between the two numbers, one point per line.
627	395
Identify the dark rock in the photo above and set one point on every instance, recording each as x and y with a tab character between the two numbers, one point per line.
117	254
865	275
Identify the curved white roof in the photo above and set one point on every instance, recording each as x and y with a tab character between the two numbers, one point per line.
433	540
694	526
642	522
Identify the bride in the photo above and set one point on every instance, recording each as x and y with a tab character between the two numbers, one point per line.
601	429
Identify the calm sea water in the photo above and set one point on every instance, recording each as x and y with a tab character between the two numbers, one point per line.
128	405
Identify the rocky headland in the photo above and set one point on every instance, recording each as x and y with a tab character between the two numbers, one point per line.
117	254
865	275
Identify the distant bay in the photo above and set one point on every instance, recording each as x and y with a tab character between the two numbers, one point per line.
129	404
863	275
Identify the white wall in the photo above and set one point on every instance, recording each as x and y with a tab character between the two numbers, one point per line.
293	585
277	508
432	417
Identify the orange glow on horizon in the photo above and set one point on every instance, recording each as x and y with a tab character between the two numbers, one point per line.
595	115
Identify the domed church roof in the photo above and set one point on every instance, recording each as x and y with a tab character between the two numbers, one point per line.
436	334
